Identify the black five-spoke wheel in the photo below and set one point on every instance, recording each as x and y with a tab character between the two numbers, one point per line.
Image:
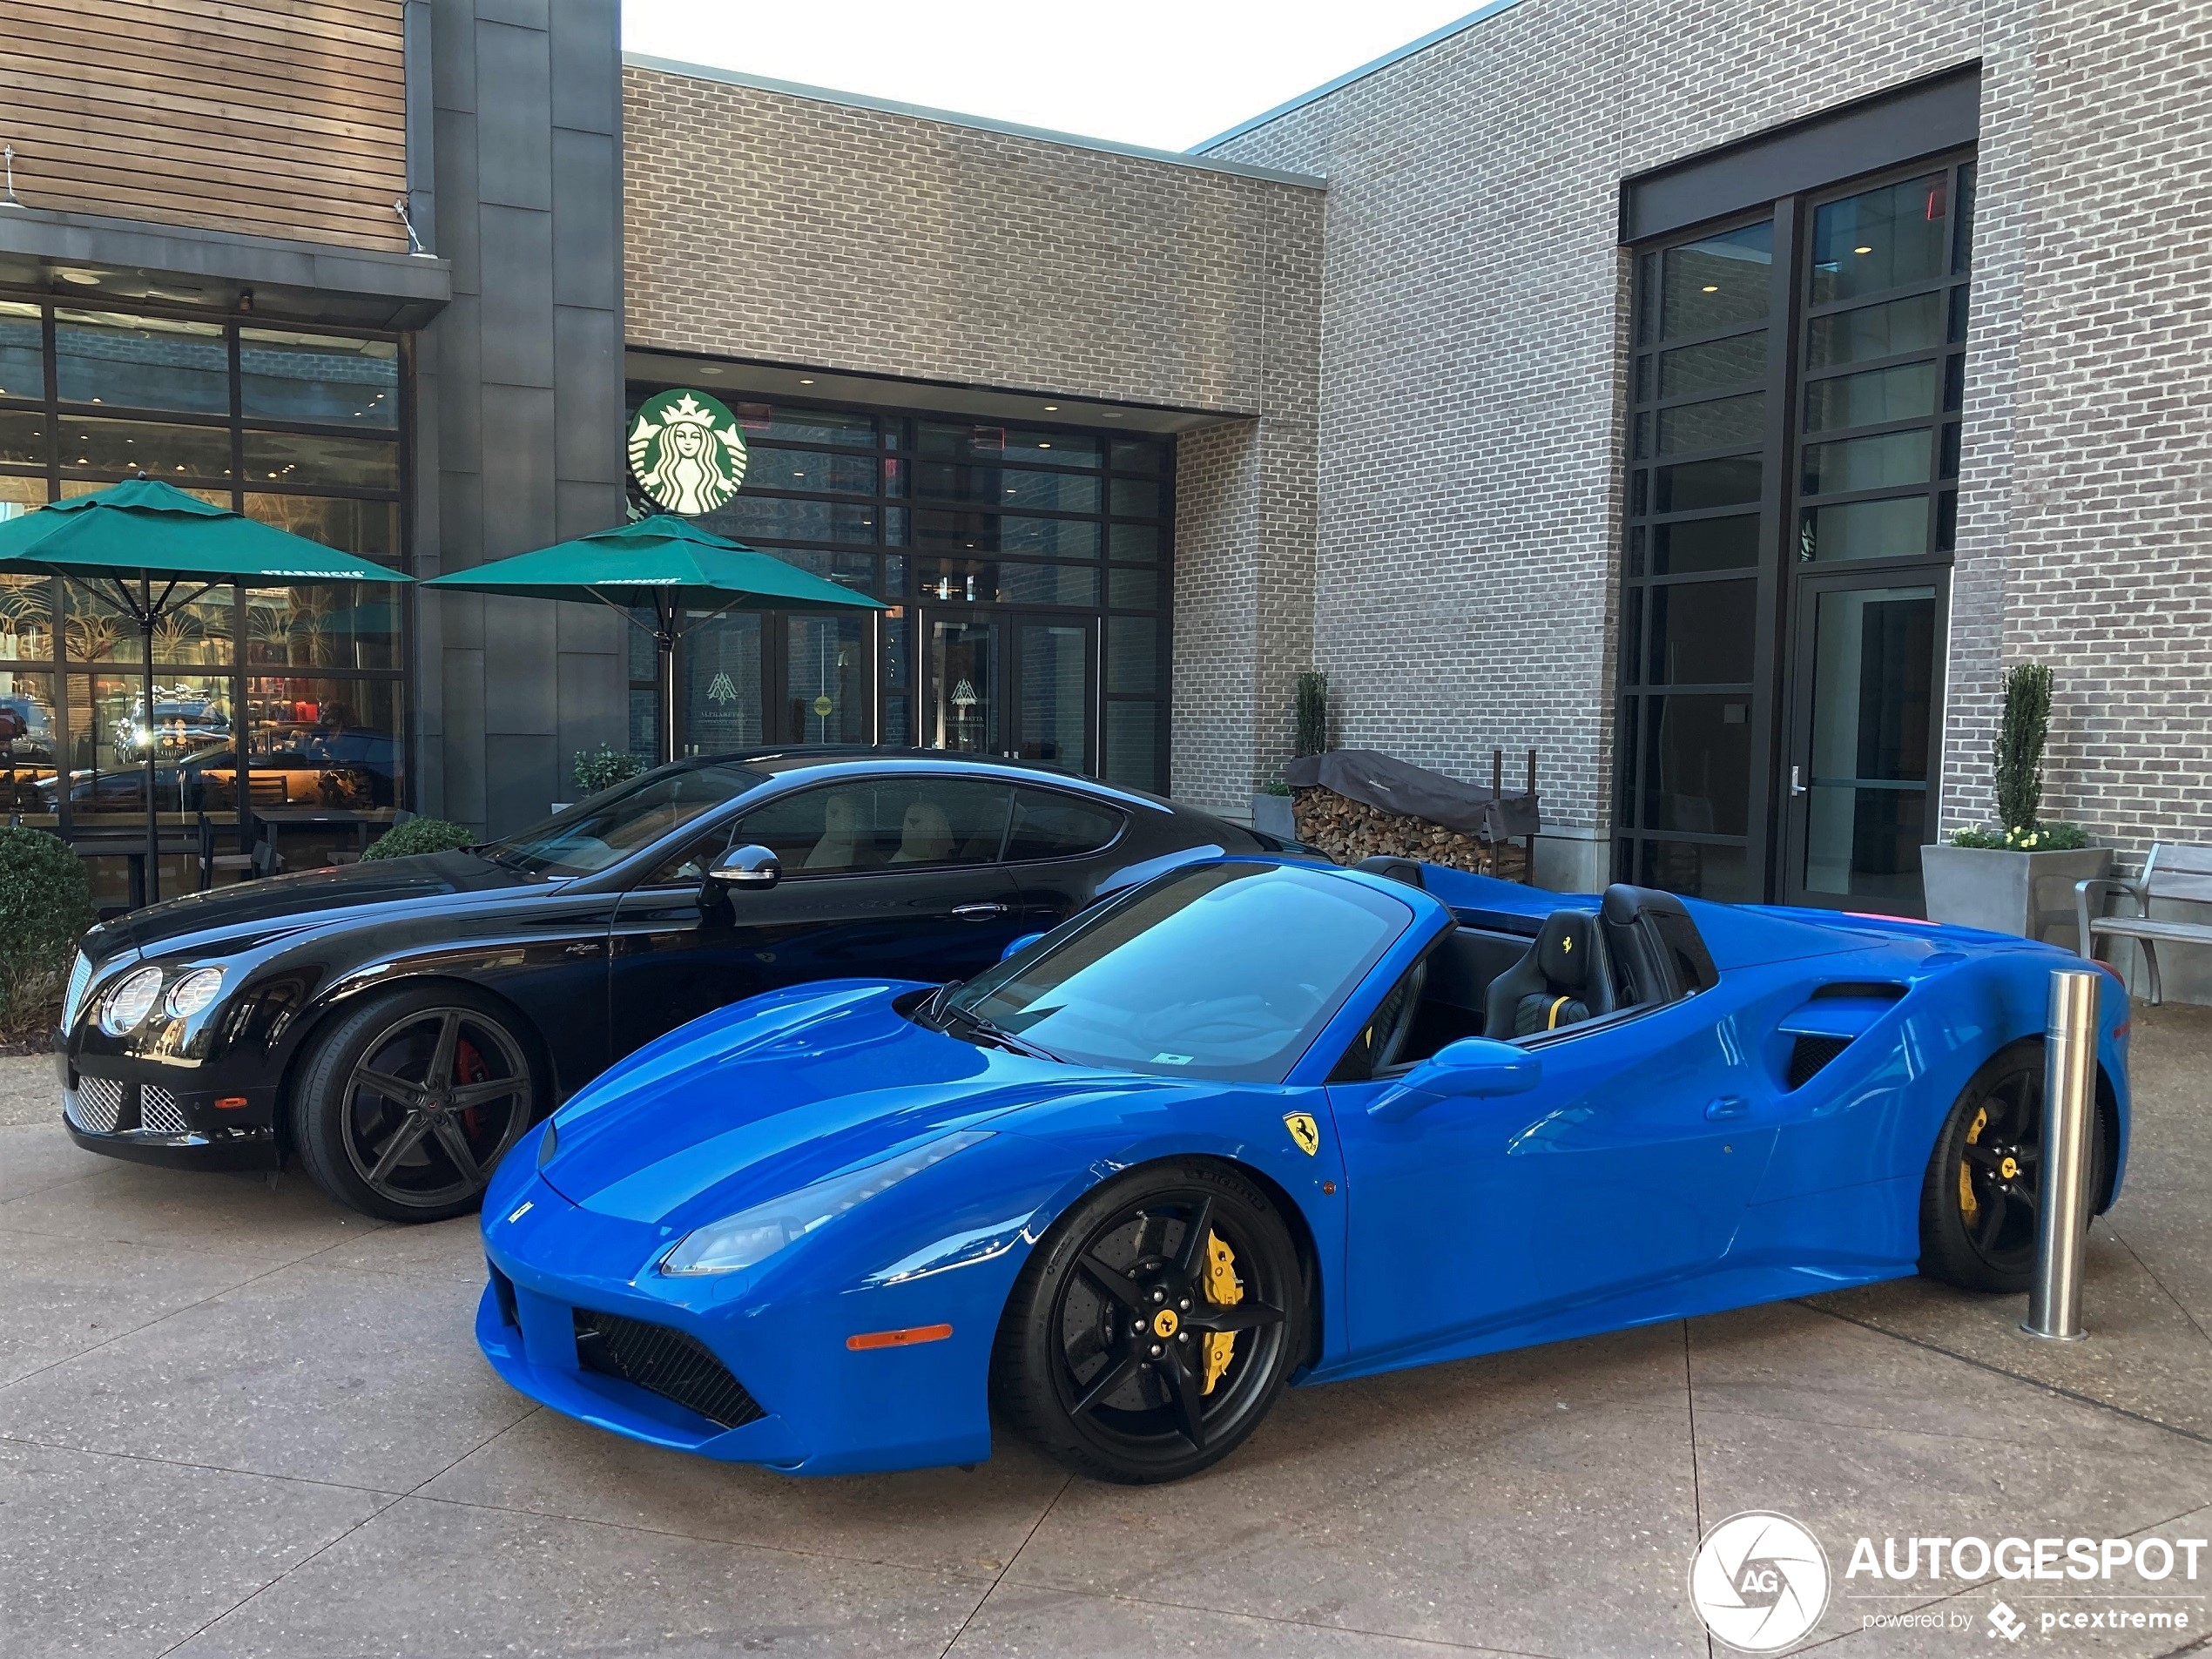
408	1104
1979	1202
1156	1326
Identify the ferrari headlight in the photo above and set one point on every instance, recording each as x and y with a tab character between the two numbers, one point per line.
754	1234
195	991
130	1001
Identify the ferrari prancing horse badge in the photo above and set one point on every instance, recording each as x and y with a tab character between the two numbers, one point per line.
1304	1130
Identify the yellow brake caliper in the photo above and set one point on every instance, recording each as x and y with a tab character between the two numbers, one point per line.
1222	1291
1970	1206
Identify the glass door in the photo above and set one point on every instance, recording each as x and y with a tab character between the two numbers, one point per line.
1053	698
1866	707
963	660
826	696
1016	685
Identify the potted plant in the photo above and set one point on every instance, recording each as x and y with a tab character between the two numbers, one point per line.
2018	876
1310	736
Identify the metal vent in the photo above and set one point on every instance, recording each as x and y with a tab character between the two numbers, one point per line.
1810	1055
664	1362
157	1111
95	1105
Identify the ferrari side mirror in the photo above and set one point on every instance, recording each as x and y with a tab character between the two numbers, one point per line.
1471	1066
747	866
1016	946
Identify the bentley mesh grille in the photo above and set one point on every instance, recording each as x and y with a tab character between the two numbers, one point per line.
95	1105
663	1362
1810	1055
157	1111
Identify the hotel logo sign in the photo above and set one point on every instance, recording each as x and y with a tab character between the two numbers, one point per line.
686	452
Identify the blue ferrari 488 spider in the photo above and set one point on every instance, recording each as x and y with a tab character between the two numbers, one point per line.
1260	1121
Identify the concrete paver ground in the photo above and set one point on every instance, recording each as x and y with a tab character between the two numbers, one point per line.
236	1420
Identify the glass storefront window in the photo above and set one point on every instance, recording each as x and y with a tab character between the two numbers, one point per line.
95	630
825	679
322	380
191	731
781	425
1007	486
124	362
23	350
1722	280
1882	239
813	470
369	529
994	583
121	447
938	531
342	463
26	618
330	624
333	745
30	743
26	438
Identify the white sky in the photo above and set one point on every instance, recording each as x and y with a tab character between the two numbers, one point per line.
1166	73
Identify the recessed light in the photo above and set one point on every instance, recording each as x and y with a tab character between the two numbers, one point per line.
1044	446
1712	287
1052	408
803	380
1862	250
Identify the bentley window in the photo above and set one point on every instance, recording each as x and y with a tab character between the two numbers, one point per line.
882	824
1226	970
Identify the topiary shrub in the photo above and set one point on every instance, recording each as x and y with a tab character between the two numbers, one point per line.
45	905
421	835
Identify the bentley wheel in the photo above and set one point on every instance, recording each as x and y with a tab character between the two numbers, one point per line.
406	1105
1978	1201
1155	1326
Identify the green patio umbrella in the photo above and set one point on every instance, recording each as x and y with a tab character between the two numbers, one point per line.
667	562
151	549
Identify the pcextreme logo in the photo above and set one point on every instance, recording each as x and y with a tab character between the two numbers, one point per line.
1759	1580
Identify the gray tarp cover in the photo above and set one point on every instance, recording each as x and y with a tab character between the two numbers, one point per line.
1396	786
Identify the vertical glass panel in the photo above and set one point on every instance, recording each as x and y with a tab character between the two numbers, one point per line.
1135	498
1867	463
320	379
1133	589
301	461
1710	284
962	709
326	624
1697	762
141	363
825	680
1130	456
190	732
1689	545
29	759
1699	870
368	529
718	685
96	630
1890	330
172	453
24	438
1132	654
1052	682
1894	529
1904	393
1872	714
811	471
22	352
1725	423
26	618
1882	239
1138	543
1702	632
1133	744
1713	366
1705	483
334	744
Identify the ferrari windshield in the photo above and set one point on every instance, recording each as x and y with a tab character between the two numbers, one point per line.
1222	970
615	822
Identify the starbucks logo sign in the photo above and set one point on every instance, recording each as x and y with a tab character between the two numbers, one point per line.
686	452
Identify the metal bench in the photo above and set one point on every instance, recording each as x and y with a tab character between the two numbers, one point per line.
2174	871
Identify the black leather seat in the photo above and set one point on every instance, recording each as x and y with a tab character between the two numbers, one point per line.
1561	980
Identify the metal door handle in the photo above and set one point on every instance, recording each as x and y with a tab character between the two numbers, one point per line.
978	911
1729	1106
1796	782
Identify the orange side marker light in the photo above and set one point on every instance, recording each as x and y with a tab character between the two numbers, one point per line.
905	1339
229	1102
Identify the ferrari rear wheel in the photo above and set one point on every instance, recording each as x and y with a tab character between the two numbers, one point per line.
408	1104
1156	1324
1980	1200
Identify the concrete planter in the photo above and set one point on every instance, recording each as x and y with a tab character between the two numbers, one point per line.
1271	816
2023	893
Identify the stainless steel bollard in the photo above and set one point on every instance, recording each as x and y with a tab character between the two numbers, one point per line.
2069	1124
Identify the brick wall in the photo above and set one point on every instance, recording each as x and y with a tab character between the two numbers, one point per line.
1472	308
774	226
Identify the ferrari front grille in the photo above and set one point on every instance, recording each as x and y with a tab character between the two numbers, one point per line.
95	1105
664	1362
1810	1055
157	1111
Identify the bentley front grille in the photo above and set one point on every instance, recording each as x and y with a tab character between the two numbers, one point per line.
95	1105
157	1111
664	1362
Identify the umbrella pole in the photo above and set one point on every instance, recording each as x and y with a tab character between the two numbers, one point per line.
146	731
665	644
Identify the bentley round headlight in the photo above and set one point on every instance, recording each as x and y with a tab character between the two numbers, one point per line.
130	1001
195	991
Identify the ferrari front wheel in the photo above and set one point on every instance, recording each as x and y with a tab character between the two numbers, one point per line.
1980	1198
1155	1326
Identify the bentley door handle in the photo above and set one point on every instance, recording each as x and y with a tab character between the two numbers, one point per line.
978	911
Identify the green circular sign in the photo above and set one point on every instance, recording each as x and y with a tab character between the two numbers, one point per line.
686	452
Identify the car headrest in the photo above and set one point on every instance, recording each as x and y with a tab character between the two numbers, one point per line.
1566	948
1656	941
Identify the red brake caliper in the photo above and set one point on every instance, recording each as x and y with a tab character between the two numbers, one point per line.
469	1067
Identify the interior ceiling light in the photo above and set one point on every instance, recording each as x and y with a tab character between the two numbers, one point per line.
1052	408
1712	287
803	380
82	279
1862	250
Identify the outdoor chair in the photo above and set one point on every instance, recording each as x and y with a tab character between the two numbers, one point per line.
2175	870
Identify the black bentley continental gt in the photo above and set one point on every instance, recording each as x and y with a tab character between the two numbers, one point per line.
398	1024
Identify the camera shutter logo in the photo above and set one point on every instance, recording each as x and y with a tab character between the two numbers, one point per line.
1759	1582
686	452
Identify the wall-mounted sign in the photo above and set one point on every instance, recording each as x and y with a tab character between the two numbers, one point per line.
686	452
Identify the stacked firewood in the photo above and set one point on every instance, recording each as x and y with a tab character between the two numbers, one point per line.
1349	831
